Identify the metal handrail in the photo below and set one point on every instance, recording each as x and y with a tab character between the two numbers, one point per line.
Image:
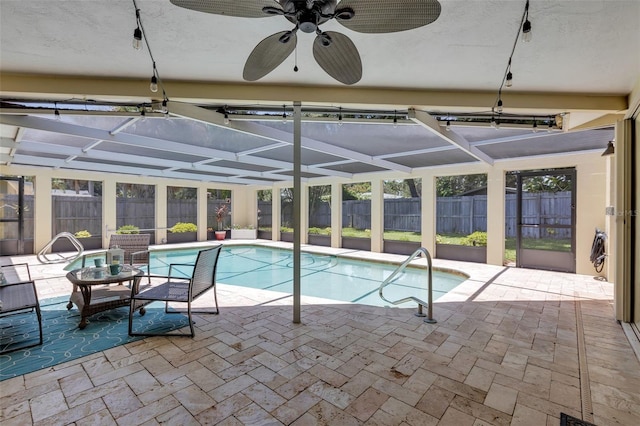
421	303
42	254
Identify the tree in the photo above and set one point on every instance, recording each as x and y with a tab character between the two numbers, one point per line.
450	186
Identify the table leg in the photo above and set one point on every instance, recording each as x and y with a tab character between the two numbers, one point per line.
86	297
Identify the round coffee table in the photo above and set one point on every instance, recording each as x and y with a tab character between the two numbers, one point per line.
95	295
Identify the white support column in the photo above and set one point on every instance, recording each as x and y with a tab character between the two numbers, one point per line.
276	207
428	209
304	213
42	211
244	206
161	213
377	216
495	216
336	215
109	209
297	207
202	213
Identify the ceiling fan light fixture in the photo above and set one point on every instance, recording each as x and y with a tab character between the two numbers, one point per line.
344	14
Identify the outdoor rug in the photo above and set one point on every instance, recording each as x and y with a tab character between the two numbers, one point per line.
62	339
567	420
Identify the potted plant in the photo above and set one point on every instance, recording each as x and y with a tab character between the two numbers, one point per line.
221	212
243	232
128	229
182	232
88	241
319	236
472	248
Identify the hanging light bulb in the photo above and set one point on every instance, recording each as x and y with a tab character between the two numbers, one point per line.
395	119
340	117
535	126
509	81
56	113
550	125
137	38
526	30
497	124
153	86
499	109
143	114
226	118
165	110
448	126
494	123
284	113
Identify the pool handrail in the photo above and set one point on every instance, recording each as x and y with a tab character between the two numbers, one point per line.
42	254
429	305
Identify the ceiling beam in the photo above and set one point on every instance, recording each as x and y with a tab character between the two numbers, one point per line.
431	124
60	87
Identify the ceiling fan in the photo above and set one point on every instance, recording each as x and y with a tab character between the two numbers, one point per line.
333	51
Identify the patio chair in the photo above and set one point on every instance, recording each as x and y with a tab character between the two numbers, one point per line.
135	246
18	296
183	290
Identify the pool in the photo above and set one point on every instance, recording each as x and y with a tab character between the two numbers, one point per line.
328	277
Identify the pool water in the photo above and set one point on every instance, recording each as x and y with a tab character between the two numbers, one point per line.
328	277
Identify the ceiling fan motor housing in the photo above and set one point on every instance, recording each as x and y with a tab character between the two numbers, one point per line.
308	19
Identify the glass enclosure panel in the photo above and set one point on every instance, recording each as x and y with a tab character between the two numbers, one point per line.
402	210
461	210
9	209
135	206
182	205
547	212
264	210
320	210
76	207
356	210
218	209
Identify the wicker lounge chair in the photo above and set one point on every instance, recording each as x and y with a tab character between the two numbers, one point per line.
184	290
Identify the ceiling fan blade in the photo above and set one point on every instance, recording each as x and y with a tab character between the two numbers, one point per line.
381	16
243	9
338	56
268	54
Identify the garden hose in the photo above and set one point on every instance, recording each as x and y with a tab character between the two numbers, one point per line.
597	250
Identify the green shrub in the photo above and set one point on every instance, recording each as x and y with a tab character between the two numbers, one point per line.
128	229
183	227
476	239
319	231
439	239
286	229
82	234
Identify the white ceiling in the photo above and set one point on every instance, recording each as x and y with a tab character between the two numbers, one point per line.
583	61
583	46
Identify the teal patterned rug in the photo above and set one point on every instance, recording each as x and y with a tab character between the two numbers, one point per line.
62	339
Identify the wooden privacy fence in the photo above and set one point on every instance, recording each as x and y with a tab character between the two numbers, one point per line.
454	215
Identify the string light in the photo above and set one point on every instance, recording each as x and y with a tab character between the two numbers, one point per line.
395	119
340	117
507	78
535	126
448	126
526	27
139	36
284	113
137	33
165	110
226	116
56	113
